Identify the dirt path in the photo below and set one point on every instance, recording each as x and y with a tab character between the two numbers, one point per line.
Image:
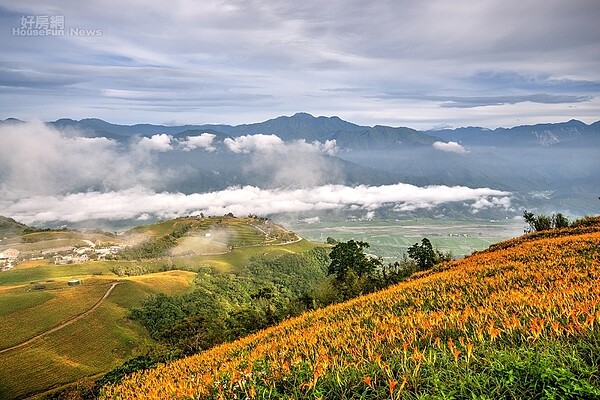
64	324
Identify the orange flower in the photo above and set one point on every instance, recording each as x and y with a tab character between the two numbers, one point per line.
393	384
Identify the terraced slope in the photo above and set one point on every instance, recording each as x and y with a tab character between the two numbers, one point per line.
35	297
521	321
100	340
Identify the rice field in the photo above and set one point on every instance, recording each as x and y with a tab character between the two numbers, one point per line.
390	238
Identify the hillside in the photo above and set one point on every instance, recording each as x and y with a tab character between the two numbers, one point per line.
570	133
52	334
9	227
297	126
520	321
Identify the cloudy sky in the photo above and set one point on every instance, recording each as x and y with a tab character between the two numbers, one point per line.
421	64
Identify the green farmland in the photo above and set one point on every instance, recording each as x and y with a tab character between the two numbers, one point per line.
35	298
390	238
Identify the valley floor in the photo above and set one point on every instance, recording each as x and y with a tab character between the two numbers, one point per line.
391	238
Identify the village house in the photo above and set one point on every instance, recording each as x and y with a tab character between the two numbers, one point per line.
8	258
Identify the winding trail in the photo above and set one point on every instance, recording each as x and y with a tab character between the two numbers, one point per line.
298	238
64	324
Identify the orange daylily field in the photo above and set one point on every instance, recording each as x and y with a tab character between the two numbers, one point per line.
521	321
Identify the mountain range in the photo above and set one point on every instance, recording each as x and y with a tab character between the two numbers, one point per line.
352	136
548	167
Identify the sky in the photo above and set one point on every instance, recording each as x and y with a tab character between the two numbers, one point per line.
414	63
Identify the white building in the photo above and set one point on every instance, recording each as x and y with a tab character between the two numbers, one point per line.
8	257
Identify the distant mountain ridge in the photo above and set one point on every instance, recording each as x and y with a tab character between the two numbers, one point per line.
550	166
349	135
297	127
573	132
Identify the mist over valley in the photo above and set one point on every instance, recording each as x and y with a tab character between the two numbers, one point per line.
73	172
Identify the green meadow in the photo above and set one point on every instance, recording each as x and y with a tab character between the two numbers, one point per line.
35	296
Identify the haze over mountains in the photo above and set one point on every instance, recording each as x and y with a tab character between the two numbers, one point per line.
92	169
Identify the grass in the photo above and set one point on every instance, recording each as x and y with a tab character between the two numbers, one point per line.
104	338
165	227
59	305
54	240
238	257
49	245
43	270
98	342
520	321
198	245
16	300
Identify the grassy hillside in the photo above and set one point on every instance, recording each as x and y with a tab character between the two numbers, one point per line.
40	243
520	321
229	230
193	236
92	345
35	297
9	227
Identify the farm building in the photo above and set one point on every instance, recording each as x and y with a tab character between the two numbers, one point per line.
74	282
70	259
8	257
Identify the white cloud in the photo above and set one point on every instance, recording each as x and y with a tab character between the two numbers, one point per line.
254	143
48	175
140	203
261	143
490	202
451	147
160	142
279	163
203	141
329	147
37	159
311	220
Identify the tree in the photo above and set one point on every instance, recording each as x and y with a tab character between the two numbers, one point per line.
423	254
544	222
354	271
195	333
560	221
350	256
529	217
245	321
397	271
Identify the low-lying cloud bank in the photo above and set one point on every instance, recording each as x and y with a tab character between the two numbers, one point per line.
140	203
49	176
